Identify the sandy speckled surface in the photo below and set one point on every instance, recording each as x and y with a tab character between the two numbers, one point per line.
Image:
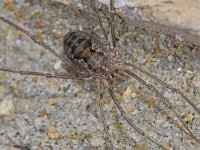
55	114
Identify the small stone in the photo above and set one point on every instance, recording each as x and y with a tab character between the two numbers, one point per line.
38	24
151	102
72	132
60	137
86	25
170	58
2	89
118	136
48	84
58	64
118	125
138	30
37	122
40	36
128	91
17	33
66	146
143	53
149	58
178	37
6	2
199	89
96	141
80	27
107	100
179	69
51	101
119	3
6	108
183	89
189	72
42	113
128	108
135	56
189	117
18	42
166	146
11	6
197	83
34	79
17	15
2	76
139	93
63	2
52	132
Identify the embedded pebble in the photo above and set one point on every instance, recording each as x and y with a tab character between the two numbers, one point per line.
72	132
18	42
52	132
96	141
189	117
117	3
128	91
179	69
51	101
6	108
151	102
128	108
42	113
170	58
58	64
197	83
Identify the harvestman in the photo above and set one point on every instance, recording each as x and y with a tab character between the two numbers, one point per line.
98	62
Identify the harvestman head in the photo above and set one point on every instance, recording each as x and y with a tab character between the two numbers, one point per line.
96	61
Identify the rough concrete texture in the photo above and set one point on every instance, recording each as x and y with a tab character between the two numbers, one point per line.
166	16
39	113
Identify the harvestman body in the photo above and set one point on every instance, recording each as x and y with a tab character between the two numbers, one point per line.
89	55
98	62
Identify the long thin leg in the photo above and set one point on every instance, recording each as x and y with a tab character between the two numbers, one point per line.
128	120
98	19
100	106
164	100
165	84
111	24
47	75
36	40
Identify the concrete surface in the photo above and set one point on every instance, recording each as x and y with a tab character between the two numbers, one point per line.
41	113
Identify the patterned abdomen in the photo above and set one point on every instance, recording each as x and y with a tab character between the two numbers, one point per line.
80	46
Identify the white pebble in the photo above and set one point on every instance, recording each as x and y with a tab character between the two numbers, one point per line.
189	72
96	141
197	83
18	42
6	108
170	58
80	27
179	69
134	95
58	64
117	3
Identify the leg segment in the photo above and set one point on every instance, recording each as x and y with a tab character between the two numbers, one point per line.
47	75
98	19
100	106
111	24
